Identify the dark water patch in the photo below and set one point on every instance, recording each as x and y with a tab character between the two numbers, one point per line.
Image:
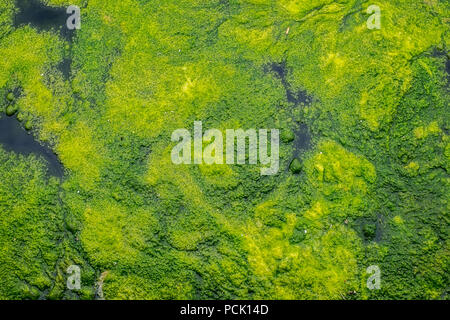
301	96
443	53
446	130
14	138
65	67
302	140
447	67
379	227
370	229
279	69
42	17
297	98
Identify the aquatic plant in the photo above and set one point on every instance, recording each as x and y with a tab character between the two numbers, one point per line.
371	189
11	110
295	166
28	125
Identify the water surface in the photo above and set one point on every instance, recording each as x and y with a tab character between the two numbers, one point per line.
14	138
42	17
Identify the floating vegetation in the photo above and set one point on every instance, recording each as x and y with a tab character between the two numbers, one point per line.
363	119
14	138
42	17
295	166
20	117
11	110
28	125
287	136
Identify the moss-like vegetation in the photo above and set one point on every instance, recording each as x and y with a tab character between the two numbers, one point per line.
371	189
11	110
295	166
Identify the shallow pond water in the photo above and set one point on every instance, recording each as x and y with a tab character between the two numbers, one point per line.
297	98
302	140
300	98
14	138
42	17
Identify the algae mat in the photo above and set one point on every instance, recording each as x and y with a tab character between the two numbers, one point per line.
357	92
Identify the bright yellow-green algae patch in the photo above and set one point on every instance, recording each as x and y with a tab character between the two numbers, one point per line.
141	69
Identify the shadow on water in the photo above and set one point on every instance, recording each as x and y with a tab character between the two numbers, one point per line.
14	138
42	17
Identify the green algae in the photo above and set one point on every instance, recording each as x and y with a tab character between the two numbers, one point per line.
11	110
28	125
373	188
20	117
287	136
369	231
295	166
